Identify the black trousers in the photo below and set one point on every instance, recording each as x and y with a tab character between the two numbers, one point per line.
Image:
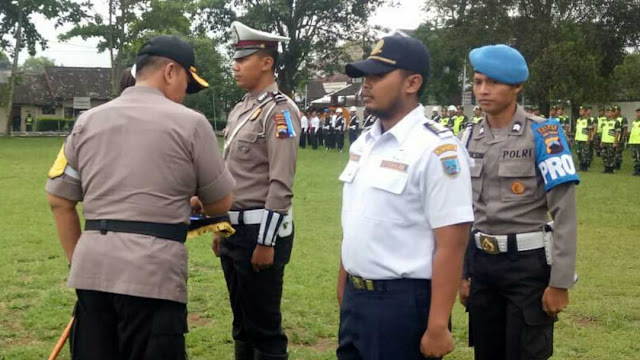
506	306
384	324
121	327
303	139
329	139
255	296
339	139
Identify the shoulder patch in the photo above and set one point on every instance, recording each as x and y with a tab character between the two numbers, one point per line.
59	165
438	129
451	165
444	148
284	125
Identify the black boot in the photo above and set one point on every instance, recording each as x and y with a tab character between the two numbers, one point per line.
244	351
263	356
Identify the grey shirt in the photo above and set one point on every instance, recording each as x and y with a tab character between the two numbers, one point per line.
139	157
509	195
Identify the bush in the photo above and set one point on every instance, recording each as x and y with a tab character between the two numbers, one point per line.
52	123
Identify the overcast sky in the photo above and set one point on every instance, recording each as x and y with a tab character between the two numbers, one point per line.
77	52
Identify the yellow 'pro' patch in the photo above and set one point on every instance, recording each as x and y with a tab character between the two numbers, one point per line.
57	169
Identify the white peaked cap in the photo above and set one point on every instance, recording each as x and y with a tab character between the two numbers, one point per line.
248	41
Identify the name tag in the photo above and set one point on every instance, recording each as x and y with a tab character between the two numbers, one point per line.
393	165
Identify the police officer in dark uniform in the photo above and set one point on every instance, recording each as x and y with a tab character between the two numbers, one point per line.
261	148
354	125
339	129
135	162
519	267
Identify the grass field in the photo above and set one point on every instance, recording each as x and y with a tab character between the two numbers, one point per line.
602	322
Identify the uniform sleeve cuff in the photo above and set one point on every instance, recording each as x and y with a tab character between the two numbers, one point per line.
217	189
269	227
65	187
453	216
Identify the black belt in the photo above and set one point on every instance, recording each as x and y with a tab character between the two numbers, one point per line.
387	285
175	232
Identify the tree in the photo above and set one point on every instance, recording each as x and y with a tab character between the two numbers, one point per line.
627	78
37	64
127	22
538	28
314	26
5	63
16	25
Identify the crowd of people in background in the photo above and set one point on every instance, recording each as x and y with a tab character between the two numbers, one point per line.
328	127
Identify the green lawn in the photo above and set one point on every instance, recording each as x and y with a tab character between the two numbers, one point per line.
602	322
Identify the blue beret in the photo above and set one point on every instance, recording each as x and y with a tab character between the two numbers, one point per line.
501	63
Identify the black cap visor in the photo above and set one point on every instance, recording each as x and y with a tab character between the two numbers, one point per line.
367	67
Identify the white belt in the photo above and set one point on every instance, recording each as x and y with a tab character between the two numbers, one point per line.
495	244
249	217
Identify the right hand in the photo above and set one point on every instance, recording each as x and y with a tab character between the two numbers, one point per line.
464	291
196	205
215	245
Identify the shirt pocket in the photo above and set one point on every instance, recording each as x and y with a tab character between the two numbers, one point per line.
476	178
246	144
518	180
390	181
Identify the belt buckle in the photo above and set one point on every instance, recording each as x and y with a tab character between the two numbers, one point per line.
489	244
357	282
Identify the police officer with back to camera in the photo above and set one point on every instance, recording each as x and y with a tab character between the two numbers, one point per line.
261	152
406	214
520	266
135	162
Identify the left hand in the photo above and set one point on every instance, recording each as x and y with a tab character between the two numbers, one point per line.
554	300
436	343
196	205
262	258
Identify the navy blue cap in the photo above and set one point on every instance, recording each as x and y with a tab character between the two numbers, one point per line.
501	63
391	53
174	48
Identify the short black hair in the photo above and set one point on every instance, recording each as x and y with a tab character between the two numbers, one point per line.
272	53
150	62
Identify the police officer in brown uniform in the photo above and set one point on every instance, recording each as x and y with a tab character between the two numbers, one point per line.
261	152
135	162
520	267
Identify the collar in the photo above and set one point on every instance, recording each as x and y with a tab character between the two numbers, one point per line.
259	95
402	129
517	125
139	89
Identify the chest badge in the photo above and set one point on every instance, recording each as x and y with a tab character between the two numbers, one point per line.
255	114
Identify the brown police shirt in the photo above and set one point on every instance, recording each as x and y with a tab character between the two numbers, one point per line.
139	157
260	157
509	195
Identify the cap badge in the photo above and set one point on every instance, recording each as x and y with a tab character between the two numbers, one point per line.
378	48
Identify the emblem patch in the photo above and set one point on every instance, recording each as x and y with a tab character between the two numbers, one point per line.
549	133
444	148
282	132
518	188
451	165
394	165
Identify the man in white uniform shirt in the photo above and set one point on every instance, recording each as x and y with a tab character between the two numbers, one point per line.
304	128
313	132
406	214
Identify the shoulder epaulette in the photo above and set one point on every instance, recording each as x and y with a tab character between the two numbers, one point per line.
279	97
438	129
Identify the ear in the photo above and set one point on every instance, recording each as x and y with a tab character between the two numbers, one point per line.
169	72
413	83
517	88
267	63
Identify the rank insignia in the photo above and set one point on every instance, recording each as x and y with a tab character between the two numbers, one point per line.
58	167
516	127
451	165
